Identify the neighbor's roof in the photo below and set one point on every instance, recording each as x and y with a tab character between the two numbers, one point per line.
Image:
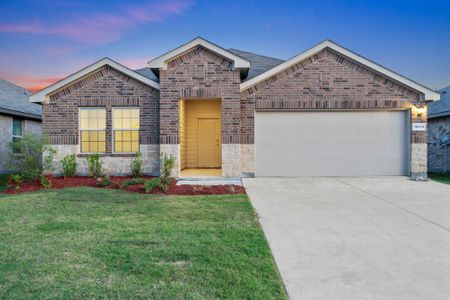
14	100
440	108
258	63
42	94
428	93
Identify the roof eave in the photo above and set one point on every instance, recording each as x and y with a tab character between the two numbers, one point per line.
429	95
42	95
20	114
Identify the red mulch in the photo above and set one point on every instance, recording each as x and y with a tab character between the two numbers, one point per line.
61	182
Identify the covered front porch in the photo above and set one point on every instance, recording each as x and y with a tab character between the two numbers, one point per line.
200	136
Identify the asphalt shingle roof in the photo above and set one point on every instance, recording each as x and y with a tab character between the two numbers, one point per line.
258	64
146	72
440	108
15	100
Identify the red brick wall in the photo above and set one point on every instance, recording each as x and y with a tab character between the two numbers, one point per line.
199	74
325	81
107	88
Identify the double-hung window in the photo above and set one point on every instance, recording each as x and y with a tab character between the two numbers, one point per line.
16	134
93	129
125	129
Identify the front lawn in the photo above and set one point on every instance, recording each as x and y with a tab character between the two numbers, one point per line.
102	243
442	178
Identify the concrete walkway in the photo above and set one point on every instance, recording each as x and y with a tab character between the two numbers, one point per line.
357	238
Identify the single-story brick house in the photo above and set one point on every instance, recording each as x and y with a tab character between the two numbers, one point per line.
17	117
325	112
439	133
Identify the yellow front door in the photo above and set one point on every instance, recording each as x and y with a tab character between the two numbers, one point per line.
209	144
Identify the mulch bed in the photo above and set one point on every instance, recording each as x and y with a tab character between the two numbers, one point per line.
61	182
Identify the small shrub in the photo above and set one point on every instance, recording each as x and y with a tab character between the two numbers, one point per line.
69	165
104	181
94	165
17	180
167	163
136	165
157	182
133	181
152	184
46	183
31	156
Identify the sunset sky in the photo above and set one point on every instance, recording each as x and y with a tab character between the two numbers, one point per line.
43	41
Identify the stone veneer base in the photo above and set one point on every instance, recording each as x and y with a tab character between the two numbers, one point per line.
112	165
419	161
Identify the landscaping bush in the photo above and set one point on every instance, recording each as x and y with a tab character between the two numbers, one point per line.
136	165
31	156
133	181
104	181
16	179
45	183
69	165
154	183
163	181
94	165
167	163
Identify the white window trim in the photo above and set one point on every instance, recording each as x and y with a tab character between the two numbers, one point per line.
96	129
113	146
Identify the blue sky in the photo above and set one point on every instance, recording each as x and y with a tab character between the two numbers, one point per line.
42	41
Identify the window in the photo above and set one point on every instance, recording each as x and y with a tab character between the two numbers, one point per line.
93	130
16	135
126	130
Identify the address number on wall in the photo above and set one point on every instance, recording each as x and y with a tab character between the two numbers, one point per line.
419	126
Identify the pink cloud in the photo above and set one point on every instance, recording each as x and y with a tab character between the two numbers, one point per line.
134	62
30	82
97	29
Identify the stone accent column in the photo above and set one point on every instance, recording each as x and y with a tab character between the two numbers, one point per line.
419	161
248	160
231	160
418	147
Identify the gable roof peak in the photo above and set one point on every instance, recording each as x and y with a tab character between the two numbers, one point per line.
428	93
42	95
161	61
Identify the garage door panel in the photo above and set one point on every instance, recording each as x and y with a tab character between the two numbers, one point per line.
347	143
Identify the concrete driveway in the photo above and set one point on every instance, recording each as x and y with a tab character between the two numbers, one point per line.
357	238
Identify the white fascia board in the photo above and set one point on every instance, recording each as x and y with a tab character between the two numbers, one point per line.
42	94
160	62
429	94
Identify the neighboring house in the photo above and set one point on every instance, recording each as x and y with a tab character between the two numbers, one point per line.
17	117
439	133
324	112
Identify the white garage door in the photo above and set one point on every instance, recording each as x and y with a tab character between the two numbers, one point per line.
346	143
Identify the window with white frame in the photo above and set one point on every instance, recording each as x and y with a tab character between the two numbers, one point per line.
92	129
17	132
125	129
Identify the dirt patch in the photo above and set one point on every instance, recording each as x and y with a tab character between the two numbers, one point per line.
116	181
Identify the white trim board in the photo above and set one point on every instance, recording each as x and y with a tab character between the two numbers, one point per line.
160	62
41	96
430	95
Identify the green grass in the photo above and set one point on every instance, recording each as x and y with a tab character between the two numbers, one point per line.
442	178
3	181
100	243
